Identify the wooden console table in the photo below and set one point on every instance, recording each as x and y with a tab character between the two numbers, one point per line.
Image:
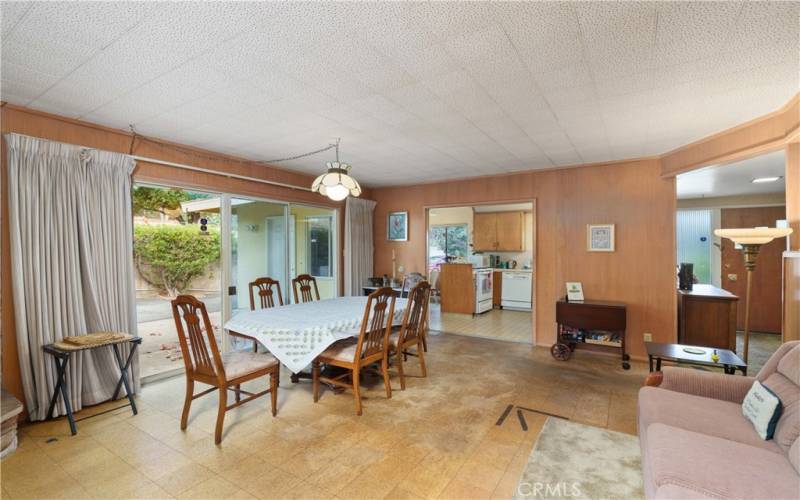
588	316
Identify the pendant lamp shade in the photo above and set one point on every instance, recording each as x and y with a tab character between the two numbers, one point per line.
336	183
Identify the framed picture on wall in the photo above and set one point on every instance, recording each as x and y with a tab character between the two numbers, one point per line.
397	226
600	237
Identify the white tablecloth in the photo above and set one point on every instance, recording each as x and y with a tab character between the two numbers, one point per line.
298	333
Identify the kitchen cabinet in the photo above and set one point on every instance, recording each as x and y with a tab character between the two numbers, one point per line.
484	232
509	231
457	288
498	232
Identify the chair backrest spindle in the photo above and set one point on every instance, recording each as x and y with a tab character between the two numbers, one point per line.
377	323
415	318
263	287
200	352
304	284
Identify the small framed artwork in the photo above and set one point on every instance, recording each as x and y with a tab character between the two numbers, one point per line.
600	237
574	291
397	226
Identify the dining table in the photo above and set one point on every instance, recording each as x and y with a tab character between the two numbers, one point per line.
297	333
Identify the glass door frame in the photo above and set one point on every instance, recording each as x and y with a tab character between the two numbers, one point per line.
227	252
226	214
335	254
223	228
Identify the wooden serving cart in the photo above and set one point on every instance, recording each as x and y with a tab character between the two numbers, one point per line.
576	322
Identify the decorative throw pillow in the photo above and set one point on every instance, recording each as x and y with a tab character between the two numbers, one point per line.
763	409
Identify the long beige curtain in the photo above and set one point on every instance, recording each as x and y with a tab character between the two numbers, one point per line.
358	245
71	236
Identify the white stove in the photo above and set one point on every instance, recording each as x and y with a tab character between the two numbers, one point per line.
482	280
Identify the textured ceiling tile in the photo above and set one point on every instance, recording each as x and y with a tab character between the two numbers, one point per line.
453	18
384	79
454	88
709	22
474	47
92	24
10	15
24	82
426	62
605	24
393	27
46	56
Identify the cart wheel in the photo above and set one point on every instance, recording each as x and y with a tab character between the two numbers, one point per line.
626	366
561	352
626	357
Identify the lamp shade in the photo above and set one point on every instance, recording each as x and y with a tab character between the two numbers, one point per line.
336	184
753	235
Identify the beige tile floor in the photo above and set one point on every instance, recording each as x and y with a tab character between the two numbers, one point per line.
437	438
497	324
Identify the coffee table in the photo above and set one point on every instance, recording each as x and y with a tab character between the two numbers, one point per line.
728	360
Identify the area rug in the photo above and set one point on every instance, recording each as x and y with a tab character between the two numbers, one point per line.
572	460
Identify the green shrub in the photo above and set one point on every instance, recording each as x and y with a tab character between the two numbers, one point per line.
170	257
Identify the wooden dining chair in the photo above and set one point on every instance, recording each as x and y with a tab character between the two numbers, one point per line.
304	283
372	347
412	332
224	372
263	287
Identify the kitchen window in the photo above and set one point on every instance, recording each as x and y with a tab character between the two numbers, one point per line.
448	241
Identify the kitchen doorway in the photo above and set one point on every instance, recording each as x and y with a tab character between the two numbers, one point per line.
480	261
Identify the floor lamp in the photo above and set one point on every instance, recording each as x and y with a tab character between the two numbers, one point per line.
751	240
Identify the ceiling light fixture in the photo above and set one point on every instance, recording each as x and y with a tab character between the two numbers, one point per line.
336	183
759	180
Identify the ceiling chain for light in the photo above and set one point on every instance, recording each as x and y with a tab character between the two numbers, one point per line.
135	135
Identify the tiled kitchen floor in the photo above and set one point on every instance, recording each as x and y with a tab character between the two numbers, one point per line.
497	324
437	438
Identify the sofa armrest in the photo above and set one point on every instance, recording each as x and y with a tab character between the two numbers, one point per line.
731	388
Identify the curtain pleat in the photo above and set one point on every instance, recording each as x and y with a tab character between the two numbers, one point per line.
358	245
72	268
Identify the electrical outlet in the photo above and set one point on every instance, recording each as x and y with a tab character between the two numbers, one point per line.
648	337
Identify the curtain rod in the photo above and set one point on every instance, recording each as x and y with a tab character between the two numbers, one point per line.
217	172
184	166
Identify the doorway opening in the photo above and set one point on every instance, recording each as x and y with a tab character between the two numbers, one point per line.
480	261
177	249
745	194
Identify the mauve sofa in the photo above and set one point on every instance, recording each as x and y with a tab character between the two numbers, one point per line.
696	443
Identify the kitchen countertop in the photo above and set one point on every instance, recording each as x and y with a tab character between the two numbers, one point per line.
501	270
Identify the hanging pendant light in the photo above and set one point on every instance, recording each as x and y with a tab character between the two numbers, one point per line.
336	183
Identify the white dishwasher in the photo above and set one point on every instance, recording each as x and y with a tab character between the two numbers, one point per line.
517	290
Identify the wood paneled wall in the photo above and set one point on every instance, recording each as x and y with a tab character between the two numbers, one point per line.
766	133
765	311
632	195
56	128
792	179
791	296
791	260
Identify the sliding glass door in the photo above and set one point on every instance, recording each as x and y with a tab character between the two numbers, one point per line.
176	250
259	248
313	246
213	246
280	241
